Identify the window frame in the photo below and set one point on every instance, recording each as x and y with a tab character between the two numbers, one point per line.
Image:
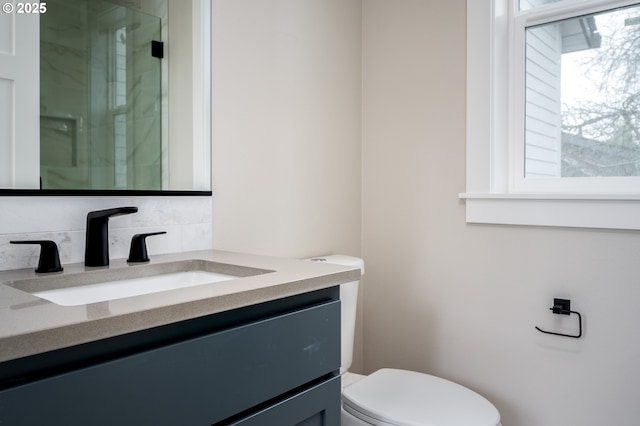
495	193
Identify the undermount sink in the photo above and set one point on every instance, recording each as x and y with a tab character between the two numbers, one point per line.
110	284
111	290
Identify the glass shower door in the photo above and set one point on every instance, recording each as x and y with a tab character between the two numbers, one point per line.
108	117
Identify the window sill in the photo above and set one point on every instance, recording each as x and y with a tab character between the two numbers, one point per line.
606	211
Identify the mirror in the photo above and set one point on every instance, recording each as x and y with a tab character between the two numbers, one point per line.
123	101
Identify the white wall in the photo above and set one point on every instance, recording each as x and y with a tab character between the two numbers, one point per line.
461	301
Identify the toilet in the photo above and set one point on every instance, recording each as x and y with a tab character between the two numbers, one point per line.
393	397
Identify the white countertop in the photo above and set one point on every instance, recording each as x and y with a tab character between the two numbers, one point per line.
31	325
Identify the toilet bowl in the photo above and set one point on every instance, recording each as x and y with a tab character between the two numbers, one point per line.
393	397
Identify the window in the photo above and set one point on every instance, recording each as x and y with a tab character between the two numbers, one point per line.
553	122
578	118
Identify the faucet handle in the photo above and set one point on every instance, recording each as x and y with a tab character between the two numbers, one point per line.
138	250
49	260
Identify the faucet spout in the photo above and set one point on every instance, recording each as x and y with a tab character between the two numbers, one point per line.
96	251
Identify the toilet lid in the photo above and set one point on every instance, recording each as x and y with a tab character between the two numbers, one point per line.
407	398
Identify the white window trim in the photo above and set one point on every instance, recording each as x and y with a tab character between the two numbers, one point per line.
490	195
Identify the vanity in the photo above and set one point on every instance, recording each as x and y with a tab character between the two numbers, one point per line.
260	348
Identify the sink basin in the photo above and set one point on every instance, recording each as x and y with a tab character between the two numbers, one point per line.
110	290
110	284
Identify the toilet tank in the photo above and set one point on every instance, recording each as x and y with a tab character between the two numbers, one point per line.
349	303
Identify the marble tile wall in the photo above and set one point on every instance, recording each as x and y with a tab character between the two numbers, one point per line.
187	221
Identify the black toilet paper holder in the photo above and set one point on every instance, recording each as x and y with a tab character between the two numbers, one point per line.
563	307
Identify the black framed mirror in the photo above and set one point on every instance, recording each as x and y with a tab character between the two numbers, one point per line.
121	102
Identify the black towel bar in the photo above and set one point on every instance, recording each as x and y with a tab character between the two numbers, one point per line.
563	307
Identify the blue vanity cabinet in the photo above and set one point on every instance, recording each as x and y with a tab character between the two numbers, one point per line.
276	363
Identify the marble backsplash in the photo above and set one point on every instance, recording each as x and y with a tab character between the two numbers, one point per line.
186	220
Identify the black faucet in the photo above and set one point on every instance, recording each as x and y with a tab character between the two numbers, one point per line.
96	252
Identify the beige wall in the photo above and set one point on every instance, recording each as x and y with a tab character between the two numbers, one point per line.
461	301
286	128
440	296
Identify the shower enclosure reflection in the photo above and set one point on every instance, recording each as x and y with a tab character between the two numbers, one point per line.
106	134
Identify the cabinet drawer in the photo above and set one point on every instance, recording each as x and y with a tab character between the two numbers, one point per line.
196	381
316	406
